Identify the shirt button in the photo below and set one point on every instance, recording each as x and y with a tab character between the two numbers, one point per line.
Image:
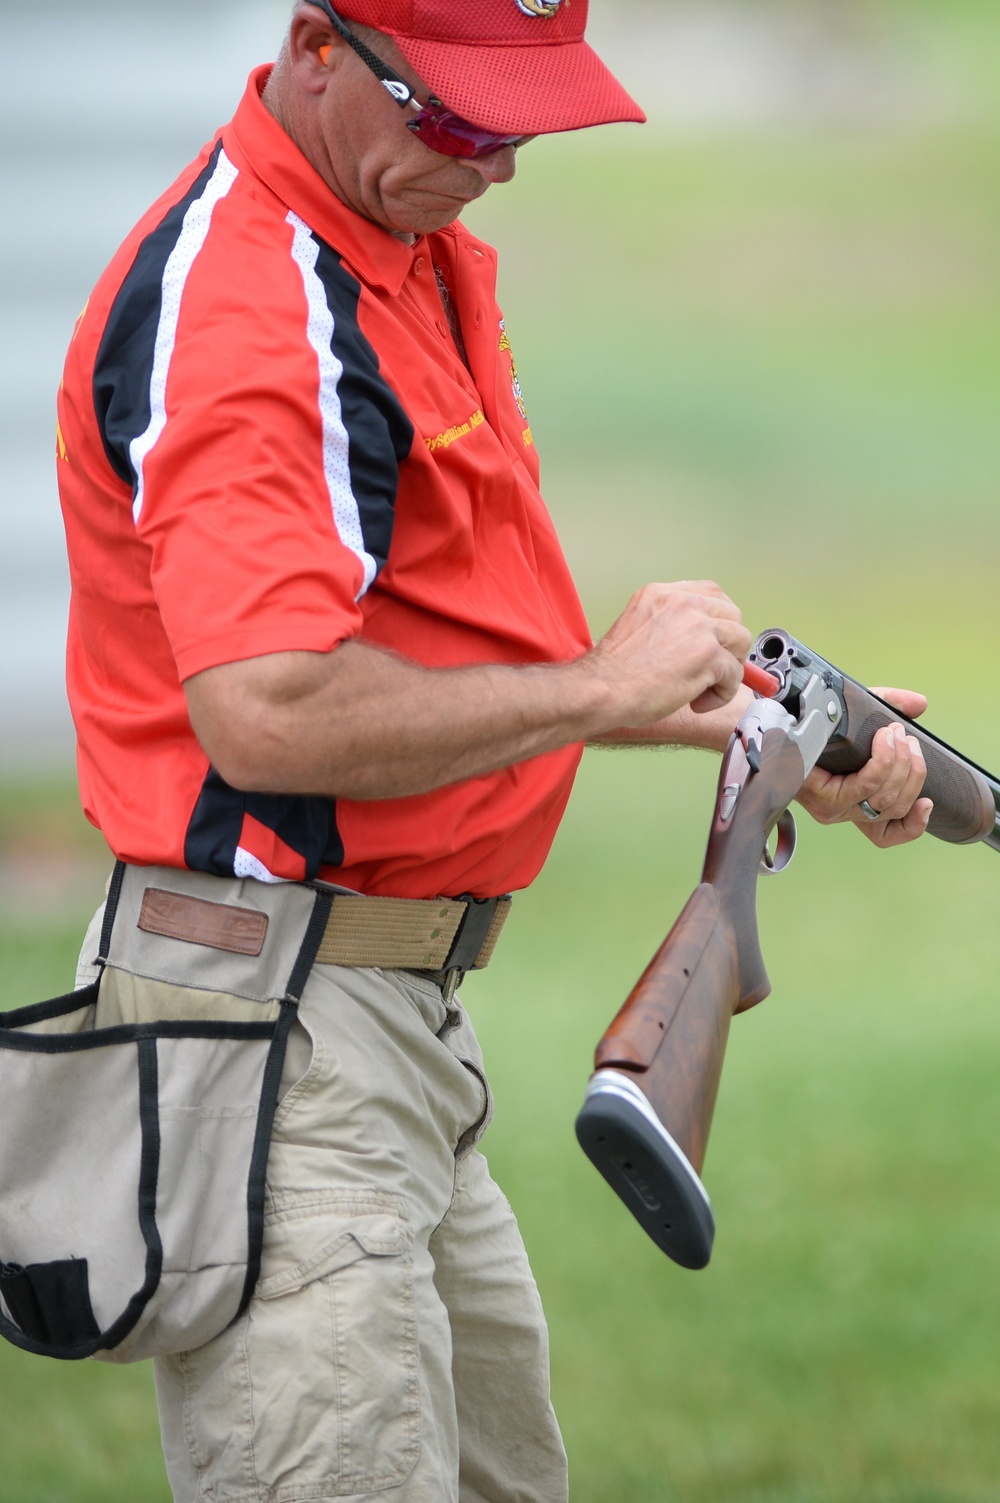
418	266
443	330
479	318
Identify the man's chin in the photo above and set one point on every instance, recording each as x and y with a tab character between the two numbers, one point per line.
423	212
427	221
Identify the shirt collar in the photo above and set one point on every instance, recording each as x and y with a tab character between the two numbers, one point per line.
271	155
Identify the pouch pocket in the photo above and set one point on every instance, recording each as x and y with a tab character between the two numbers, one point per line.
131	1168
133	1156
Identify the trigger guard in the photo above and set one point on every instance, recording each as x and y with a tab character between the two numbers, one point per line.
788	839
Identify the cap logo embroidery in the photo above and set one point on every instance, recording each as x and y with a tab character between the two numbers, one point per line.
546	9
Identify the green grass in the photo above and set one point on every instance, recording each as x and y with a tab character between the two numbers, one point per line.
772	359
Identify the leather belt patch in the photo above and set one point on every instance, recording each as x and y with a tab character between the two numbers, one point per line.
240	930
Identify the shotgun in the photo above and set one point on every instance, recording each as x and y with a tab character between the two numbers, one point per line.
648	1110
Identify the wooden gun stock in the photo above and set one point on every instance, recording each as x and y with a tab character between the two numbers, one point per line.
648	1113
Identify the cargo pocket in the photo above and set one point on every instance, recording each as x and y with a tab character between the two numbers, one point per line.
336	1290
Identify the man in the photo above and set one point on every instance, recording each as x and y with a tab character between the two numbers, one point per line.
322	629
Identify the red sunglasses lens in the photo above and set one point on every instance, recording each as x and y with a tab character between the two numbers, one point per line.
439	138
453	137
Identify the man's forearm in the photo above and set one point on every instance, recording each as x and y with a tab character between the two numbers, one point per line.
364	723
710	731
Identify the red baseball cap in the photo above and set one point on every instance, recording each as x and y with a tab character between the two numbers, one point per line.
520	67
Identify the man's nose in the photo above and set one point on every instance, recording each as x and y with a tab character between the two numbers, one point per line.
499	167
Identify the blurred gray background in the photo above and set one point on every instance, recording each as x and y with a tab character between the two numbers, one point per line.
99	117
96	122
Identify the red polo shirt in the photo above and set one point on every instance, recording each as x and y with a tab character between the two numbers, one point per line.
269	441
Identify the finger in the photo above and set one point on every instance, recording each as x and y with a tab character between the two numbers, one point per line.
728	680
844	795
719	608
736	640
715	698
895	802
711	597
902	831
727	676
834	799
711	700
904	783
906	701
894	794
699	587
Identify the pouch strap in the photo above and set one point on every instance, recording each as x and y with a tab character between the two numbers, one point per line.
311	944
110	912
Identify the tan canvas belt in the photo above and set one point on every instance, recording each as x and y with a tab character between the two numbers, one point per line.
409	934
446	935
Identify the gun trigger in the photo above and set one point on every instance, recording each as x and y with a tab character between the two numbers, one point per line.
753	756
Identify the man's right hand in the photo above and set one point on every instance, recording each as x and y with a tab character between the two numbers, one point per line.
674	645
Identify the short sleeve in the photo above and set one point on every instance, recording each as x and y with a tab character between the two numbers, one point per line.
240	401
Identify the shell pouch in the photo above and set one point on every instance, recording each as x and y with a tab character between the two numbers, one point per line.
132	1156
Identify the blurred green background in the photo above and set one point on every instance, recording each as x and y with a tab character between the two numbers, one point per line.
765	353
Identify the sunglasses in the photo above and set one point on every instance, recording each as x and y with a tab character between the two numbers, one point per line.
434	124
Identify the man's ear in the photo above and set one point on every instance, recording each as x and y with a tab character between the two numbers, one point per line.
315	50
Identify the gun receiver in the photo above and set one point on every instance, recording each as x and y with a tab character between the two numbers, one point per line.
648	1111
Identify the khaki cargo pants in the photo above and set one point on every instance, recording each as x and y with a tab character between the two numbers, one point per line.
395	1345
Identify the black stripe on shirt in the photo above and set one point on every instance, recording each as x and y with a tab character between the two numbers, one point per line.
379	432
308	825
123	371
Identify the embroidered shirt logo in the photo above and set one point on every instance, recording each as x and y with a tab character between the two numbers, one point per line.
515	379
460	430
545	9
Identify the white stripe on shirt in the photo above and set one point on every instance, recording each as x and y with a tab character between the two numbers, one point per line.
194	233
336	440
247	865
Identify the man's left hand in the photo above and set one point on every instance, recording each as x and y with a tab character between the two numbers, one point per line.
890	783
